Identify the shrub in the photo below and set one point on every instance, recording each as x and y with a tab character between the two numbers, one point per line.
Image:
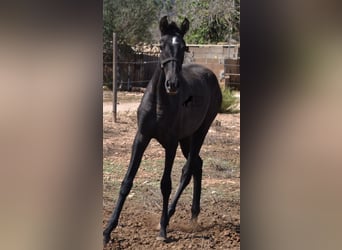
229	102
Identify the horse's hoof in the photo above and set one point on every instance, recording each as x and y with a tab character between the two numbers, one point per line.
106	240
160	238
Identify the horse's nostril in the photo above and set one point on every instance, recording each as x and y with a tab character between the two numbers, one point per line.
168	84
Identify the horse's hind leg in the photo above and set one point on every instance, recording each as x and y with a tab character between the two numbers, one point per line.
191	147
188	170
197	143
197	174
185	176
193	164
139	146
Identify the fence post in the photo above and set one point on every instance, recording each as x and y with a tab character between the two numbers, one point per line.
129	77
115	85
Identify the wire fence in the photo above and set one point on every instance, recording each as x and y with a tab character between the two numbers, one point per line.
138	70
135	72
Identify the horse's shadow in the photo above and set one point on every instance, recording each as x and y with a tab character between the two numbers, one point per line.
197	228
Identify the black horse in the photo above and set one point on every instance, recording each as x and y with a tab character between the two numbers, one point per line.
179	105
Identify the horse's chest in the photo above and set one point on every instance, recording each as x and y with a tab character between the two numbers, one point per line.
155	123
172	121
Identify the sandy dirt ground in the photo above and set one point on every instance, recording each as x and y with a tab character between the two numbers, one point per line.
219	221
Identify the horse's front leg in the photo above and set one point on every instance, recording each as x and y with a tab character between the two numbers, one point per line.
138	148
166	186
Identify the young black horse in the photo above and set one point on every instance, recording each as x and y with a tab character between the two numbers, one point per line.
179	105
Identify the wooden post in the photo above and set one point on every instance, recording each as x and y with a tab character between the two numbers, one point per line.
129	78
115	85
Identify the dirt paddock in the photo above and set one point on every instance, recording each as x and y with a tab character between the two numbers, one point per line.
219	221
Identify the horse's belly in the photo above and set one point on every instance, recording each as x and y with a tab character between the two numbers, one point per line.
191	122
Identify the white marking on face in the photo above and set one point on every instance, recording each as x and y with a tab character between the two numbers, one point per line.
175	40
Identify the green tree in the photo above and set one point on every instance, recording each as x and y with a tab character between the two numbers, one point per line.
137	21
129	19
211	21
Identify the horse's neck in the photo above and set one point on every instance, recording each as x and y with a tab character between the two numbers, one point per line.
158	89
158	97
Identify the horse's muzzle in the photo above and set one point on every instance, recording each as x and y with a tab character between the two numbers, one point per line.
171	87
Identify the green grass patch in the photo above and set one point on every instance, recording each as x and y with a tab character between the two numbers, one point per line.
222	168
108	167
229	102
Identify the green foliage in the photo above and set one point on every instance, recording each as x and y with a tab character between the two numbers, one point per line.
135	21
229	102
129	19
211	21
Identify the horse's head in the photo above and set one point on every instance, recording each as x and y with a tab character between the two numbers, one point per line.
172	48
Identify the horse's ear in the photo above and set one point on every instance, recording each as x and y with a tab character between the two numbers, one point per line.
184	26
163	24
